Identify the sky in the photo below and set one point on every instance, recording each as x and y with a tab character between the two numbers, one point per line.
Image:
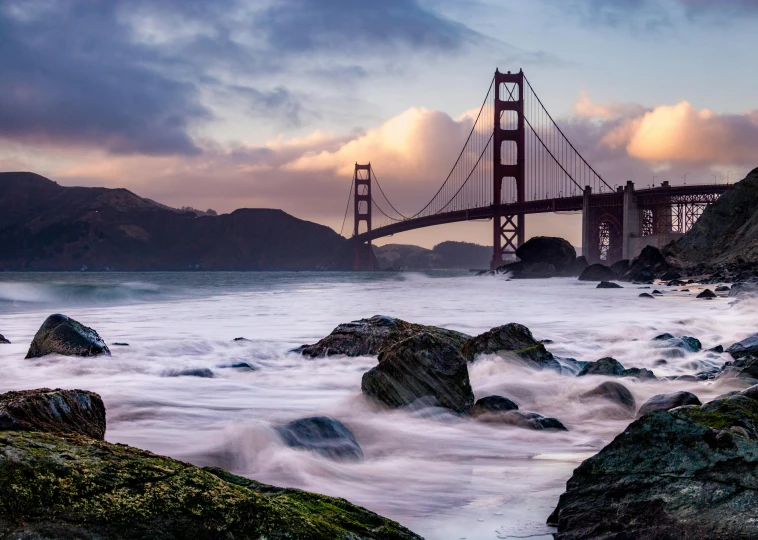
254	103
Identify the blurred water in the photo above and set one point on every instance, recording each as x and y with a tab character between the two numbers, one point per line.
442	476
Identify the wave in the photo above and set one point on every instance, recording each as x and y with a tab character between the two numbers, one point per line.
23	293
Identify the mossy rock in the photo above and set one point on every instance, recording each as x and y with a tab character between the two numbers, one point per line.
71	486
511	341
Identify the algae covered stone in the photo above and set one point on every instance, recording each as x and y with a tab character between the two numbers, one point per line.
511	341
74	487
60	334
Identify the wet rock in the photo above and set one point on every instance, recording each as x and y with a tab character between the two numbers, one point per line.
62	335
493	405
325	436
722	288
77	488
657	292
690	472
744	290
671	275
620	267
685	343
639	273
53	411
663	337
370	336
613	392
597	272
747	348
576	268
605	366
717	349
242	366
536	271
707	294
646	295
651	256
240	339
608	285
526	420
189	372
3	339
422	366
120	344
664	402
511	341
639	373
547	250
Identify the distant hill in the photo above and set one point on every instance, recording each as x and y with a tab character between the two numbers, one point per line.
446	255
45	226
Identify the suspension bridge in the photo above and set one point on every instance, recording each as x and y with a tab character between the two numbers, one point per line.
517	161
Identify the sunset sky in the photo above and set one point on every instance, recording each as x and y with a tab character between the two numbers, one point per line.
230	104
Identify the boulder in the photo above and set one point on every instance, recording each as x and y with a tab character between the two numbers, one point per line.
536	271
707	294
73	487
511	341
686	343
614	392
62	335
722	288
493	405
325	436
639	373
577	267
370	336
608	285
526	420
744	290
651	256
690	472
548	250
748	347
620	267
3	339
53	411
671	275
597	272
646	295
665	402
639	273
605	366
422	366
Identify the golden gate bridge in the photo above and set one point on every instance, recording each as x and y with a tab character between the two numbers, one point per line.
517	161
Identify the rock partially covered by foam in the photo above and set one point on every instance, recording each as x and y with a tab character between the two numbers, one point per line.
3	339
325	436
370	336
665	402
511	341
422	366
60	334
53	411
613	392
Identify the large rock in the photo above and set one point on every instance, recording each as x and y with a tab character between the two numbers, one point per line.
53	411
3	339
665	402
597	272
493	405
639	273
422	366
370	336
748	347
511	341
60	334
547	250
651	256
690	472
620	267
73	487
614	392
323	435
605	366
576	268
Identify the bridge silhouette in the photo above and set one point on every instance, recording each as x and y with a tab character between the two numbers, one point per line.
517	161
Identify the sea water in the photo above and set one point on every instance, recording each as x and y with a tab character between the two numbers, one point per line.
443	476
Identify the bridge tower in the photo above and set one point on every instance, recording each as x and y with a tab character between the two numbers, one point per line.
363	258
509	128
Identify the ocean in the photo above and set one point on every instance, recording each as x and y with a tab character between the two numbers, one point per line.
443	476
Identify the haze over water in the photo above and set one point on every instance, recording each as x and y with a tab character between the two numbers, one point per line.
440	475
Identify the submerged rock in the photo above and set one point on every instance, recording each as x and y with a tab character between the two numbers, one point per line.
370	336
685	343
646	295
53	411
707	293
608	285
73	487
605	366
422	366
613	392
665	402
748	347
511	341
189	372
597	272
526	420
3	339
323	435
690	472
62	335
244	366
493	405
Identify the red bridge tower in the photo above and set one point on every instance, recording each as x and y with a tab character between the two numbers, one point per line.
363	258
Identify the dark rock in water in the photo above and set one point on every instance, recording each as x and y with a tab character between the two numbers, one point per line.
707	294
323	435
651	256
604	366
671	275
608	285
189	372
663	337
120	344
646	295
597	272
536	271
689	472
514	341
244	366
73	487
53	411
717	349
571	366
640	273
527	420
422	366
748	347
577	267
493	404
640	373
686	343
370	336
240	339
744	290
620	267
62	335
613	392
722	288
665	402
656	291
547	250
3	340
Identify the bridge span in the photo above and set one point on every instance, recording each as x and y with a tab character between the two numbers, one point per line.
517	161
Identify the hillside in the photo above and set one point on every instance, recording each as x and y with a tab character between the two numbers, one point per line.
446	255
727	230
45	226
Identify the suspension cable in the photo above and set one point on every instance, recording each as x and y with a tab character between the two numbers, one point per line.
373	171
551	154
469	176
347	206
